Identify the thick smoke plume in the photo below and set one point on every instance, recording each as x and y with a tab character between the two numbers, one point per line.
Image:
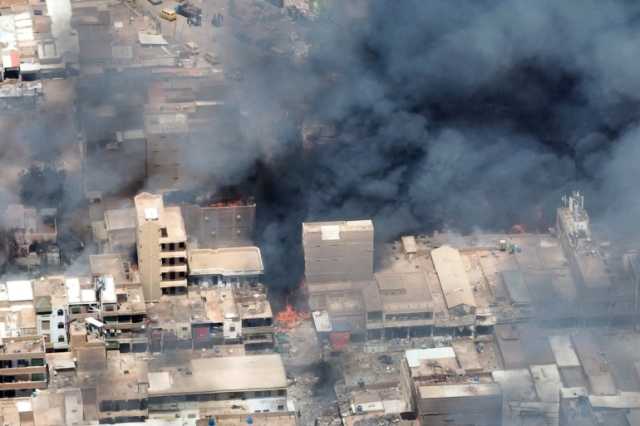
461	114
458	114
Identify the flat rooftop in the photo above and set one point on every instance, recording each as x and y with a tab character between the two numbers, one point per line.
23	345
233	261
232	374
404	292
148	207
563	351
459	391
120	219
151	208
114	265
332	231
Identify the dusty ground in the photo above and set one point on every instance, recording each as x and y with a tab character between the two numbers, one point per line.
311	378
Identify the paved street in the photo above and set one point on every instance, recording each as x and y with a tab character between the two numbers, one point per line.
208	37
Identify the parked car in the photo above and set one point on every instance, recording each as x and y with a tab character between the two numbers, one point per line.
212	58
155	2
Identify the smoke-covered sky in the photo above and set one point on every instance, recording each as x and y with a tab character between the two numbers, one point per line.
463	114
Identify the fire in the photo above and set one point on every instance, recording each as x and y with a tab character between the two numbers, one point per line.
290	318
228	203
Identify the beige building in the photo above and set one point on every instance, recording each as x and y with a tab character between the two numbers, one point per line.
167	134
22	365
338	251
249	384
220	225
585	257
120	225
162	247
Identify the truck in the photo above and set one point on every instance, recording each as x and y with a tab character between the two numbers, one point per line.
191	12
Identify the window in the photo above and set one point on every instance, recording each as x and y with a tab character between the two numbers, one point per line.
232	329
60	326
60	339
280	407
38	377
60	312
76	309
37	362
46	325
163	233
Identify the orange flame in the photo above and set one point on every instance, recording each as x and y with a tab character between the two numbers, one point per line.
290	318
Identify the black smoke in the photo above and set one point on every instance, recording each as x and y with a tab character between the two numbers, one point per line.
459	114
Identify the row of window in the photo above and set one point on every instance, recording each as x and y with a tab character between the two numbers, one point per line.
171	261
33	362
123	318
216	397
173	247
377	316
38	377
121	405
172	276
174	291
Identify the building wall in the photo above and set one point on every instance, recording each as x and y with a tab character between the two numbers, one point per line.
149	260
349	258
485	410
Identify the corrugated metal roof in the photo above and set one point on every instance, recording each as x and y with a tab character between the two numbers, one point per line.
563	351
453	277
516	287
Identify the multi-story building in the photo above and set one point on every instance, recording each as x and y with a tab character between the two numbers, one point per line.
22	365
227	314
401	305
82	298
454	386
161	246
250	383
52	311
337	251
338	260
588	266
231	265
121	392
123	313
167	135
